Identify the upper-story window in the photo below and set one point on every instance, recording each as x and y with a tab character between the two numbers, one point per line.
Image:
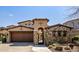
25	24
28	25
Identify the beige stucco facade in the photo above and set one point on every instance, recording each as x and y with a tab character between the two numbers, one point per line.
33	25
27	23
17	28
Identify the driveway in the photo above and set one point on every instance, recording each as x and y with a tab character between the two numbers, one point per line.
22	47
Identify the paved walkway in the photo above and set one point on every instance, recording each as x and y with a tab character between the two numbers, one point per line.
40	48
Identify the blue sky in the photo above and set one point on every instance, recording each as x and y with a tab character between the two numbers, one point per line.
12	14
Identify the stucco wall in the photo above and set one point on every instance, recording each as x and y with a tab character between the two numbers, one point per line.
20	29
27	23
7	31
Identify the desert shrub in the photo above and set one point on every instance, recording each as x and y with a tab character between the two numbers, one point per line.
71	46
75	38
67	48
50	46
58	48
3	40
60	41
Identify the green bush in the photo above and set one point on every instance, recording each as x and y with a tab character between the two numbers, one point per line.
60	41
75	38
0	38
3	40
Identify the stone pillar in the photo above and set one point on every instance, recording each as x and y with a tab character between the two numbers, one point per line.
35	37
69	36
45	37
8	37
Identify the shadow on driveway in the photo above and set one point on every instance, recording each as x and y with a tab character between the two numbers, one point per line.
22	44
26	44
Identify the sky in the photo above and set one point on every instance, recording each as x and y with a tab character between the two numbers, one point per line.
10	15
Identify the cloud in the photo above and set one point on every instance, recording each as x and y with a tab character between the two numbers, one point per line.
11	15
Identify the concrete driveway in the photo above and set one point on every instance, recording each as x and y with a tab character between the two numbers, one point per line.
22	47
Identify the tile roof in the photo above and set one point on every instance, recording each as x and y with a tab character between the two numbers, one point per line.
59	25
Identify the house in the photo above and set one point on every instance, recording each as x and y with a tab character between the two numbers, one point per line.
26	31
37	31
75	24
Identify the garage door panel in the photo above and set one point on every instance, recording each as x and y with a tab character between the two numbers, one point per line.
21	36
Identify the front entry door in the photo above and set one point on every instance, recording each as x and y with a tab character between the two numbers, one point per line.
40	36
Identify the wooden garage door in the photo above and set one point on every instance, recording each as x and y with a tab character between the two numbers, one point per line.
22	36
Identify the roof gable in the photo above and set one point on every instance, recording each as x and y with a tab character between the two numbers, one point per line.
59	25
19	28
24	21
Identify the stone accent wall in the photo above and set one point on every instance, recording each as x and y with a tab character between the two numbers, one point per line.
51	34
38	23
6	33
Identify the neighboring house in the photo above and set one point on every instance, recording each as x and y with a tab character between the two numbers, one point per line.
37	31
72	23
75	24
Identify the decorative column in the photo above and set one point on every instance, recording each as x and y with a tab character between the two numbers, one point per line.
35	37
40	36
8	37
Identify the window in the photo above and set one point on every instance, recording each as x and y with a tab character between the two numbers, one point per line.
25	24
64	33
59	33
53	33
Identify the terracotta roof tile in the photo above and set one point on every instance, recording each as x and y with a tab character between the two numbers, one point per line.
59	25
